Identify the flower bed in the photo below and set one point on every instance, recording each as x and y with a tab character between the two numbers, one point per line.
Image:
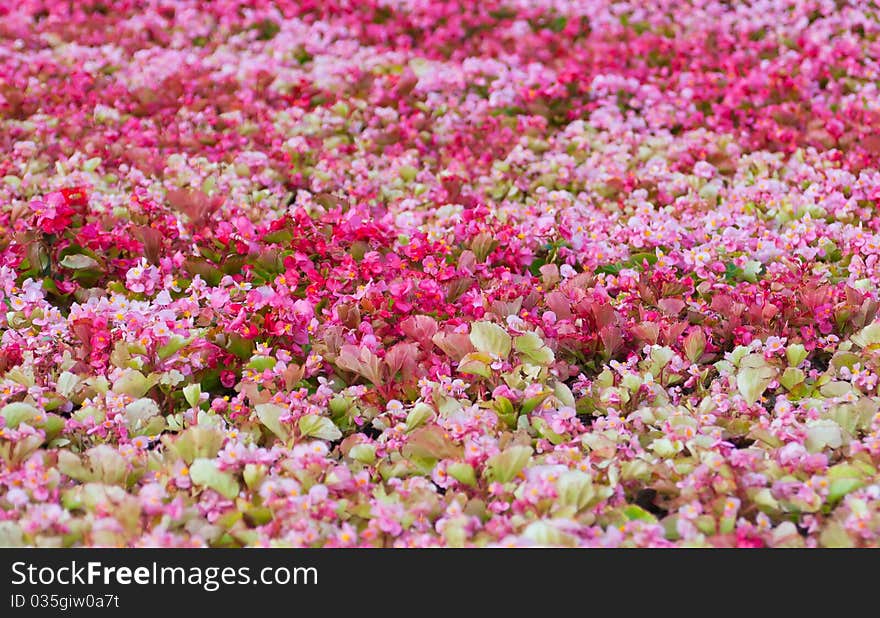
418	273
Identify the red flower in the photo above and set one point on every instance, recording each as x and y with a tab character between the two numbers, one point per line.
54	215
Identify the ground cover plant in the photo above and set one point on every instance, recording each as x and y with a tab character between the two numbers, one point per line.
433	273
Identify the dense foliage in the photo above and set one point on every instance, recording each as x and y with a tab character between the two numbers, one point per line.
415	273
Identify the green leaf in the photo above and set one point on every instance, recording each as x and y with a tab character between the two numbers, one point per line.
407	172
320	427
732	272
869	336
139	412
835	536
476	363
558	23
463	473
266	29
420	413
92	164
174	344
634	512
282	237
575	489
795	353
430	443
78	261
823	433
791	377
67	383
533	348
491	339
504	466
269	415
840	487
609	269
204	472
636	259
364	453
506	412
753	377
11	534
258	516
533	402
545	534
196	442
192	393
503	406
543	429
133	383
261	363
751	270
53	426
239	346
17	413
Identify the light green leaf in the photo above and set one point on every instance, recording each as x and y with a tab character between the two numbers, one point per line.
836	388
192	393
407	172
868	336
140	411
78	261
364	453
795	353
430	443
174	344
840	487
418	415
533	348
133	383
476	363
634	512
17	413
11	534
261	363
320	427
69	463
835	536
92	164
270	414
575	488
504	466
545	534
751	270
850	471
253	475
204	472
564	394
791	377
823	433
664	447
67	383
543	429
490	338
753	377
463	473
196	442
